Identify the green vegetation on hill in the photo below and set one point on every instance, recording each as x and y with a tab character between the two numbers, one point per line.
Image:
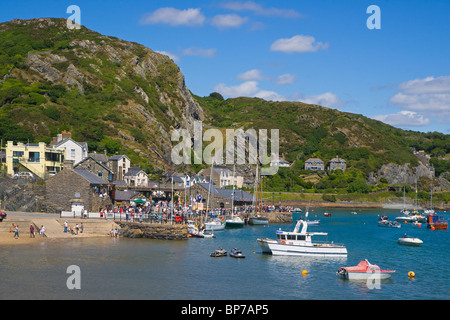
104	90
124	98
313	131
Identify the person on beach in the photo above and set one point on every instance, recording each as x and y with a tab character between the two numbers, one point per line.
42	231
81	228
65	226
77	228
32	231
16	232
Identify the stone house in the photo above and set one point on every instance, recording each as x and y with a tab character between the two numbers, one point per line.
337	163
119	164
314	164
97	168
74	189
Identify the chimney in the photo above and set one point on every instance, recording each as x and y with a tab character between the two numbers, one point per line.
68	164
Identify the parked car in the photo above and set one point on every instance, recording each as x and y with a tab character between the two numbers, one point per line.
23	175
2	215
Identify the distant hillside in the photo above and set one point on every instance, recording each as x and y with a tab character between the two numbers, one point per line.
122	97
114	94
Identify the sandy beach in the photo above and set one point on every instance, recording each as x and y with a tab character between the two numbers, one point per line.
7	238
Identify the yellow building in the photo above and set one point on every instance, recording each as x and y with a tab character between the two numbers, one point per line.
37	158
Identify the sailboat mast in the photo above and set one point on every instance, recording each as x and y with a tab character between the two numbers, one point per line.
256	190
232	195
209	188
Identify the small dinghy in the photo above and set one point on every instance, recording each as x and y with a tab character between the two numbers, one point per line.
363	271
219	253
408	241
236	253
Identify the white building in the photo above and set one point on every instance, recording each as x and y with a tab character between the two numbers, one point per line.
136	177
75	151
119	164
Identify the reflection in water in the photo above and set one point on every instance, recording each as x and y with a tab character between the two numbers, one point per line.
150	269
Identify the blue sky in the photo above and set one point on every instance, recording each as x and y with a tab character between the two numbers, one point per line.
313	51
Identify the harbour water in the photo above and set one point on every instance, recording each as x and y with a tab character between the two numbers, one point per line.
132	269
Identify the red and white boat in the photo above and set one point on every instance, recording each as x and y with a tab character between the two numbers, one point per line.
363	271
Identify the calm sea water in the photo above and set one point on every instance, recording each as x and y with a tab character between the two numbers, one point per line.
183	270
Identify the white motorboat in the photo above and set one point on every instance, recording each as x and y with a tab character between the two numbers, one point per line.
363	271
408	241
236	253
415	217
214	225
194	232
299	243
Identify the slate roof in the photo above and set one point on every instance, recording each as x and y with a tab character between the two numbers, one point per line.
133	171
124	195
117	157
239	195
92	178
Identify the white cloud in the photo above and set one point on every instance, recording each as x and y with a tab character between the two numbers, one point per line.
259	9
403	118
298	44
269	95
194	51
175	17
171	55
285	79
429	94
327	99
228	21
246	89
254	74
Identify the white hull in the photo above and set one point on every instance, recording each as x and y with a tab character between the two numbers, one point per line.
414	218
317	250
410	241
214	226
367	275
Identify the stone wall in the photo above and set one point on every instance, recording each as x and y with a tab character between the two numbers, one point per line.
153	231
64	187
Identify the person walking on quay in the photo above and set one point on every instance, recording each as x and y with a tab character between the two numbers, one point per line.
16	232
42	231
32	231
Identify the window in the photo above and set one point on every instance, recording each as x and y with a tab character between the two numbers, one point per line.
33	157
72	153
17	153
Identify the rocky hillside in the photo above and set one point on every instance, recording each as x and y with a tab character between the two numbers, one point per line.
114	94
122	97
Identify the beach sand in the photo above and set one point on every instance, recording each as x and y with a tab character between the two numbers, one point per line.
7	238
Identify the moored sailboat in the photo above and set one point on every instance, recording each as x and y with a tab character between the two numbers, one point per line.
257	218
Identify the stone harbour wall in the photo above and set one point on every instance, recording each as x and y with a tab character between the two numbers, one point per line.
153	231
